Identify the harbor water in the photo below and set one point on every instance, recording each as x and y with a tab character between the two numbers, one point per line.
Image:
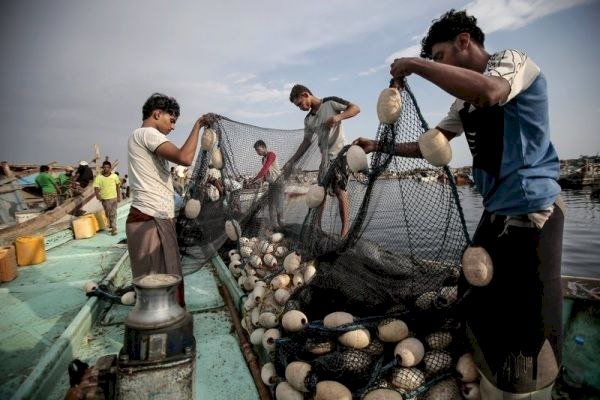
581	238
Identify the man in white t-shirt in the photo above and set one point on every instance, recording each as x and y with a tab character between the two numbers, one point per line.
513	322
150	227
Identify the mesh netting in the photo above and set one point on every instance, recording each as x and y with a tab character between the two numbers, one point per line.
251	205
399	261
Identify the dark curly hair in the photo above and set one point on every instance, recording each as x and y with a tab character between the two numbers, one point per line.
447	27
296	90
159	101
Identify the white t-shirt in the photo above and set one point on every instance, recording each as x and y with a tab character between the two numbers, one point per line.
331	141
512	65
150	175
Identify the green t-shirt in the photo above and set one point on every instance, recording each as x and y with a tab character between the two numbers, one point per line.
64	180
46	182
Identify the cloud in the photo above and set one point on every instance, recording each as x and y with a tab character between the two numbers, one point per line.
412	51
372	70
337	77
260	92
213	87
242	90
239	78
499	15
492	16
246	114
66	75
434	115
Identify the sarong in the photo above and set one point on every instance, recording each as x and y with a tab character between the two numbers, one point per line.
153	248
50	199
514	323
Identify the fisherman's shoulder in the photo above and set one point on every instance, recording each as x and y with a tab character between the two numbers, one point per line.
146	131
335	99
509	62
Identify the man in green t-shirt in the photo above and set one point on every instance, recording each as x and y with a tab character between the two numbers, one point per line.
50	190
106	186
64	179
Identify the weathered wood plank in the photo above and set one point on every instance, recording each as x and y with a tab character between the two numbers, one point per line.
36	224
576	287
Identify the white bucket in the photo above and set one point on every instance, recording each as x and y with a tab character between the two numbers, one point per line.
22	216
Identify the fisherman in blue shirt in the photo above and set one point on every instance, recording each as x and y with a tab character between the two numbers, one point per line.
514	322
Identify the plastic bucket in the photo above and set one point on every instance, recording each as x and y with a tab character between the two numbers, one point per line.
95	223
84	227
30	250
101	219
8	264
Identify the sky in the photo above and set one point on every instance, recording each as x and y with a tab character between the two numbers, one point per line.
75	73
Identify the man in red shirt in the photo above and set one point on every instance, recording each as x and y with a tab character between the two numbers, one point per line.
270	173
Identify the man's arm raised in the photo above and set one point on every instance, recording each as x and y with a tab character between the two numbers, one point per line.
185	154
465	84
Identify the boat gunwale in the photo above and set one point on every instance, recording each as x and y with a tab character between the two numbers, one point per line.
53	364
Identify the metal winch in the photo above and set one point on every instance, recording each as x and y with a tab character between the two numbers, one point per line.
159	352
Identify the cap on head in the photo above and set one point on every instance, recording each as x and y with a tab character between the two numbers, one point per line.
69	168
83	163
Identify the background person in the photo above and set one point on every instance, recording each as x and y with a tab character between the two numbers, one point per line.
83	177
107	189
64	180
48	185
324	120
124	187
270	173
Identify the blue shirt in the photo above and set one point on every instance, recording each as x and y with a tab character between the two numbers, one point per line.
515	166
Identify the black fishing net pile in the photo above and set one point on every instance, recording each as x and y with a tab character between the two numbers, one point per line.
400	260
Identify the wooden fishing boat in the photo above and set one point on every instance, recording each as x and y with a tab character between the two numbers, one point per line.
38	219
45	220
47	322
42	302
226	367
587	175
67	325
16	200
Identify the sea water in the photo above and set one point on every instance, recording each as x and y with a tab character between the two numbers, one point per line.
581	238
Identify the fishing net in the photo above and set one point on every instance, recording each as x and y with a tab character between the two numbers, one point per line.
399	265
